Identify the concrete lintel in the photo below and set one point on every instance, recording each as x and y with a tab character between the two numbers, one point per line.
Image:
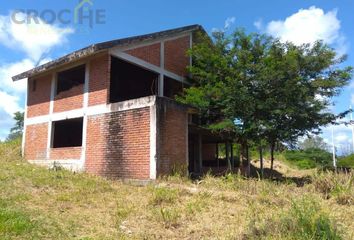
94	110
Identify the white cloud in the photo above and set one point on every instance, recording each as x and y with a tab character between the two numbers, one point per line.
227	24
11	69
258	24
352	99
343	143
229	21
215	30
7	71
341	138
6	122
33	38
9	103
351	85
308	26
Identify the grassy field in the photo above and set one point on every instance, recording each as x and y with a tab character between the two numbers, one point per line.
36	203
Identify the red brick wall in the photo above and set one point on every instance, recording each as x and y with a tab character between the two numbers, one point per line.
172	137
96	144
69	100
38	100
176	59
36	141
99	80
208	151
65	153
150	53
118	144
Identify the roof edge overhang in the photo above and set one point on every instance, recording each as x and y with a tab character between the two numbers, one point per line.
103	46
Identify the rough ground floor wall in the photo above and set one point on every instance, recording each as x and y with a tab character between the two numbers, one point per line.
172	125
118	144
36	147
36	141
138	143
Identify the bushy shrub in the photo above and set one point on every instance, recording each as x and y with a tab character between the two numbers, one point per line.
346	162
309	158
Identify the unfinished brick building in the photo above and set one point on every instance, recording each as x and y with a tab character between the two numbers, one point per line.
108	109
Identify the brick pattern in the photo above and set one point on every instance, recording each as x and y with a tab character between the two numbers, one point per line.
118	144
150	53
176	59
65	153
36	141
172	137
99	80
38	100
69	100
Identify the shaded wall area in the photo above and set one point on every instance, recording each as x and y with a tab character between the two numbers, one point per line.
118	144
129	81
99	79
150	53
176	57
210	152
172	137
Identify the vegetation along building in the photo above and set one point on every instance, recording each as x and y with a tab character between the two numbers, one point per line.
109	109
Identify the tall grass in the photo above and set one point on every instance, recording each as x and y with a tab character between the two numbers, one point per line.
339	186
10	151
163	195
305	220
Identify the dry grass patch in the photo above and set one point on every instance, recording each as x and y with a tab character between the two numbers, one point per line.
37	203
338	186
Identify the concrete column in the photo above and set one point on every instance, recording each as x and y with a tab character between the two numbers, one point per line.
160	85
217	156
200	154
227	151
232	156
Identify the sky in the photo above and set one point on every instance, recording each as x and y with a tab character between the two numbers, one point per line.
26	42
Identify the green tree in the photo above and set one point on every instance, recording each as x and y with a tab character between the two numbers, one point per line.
17	130
258	88
309	158
302	79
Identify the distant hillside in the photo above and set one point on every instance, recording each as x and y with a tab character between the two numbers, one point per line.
347	161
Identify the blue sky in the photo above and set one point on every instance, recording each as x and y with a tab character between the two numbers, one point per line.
297	21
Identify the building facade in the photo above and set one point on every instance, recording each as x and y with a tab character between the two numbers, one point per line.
108	109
